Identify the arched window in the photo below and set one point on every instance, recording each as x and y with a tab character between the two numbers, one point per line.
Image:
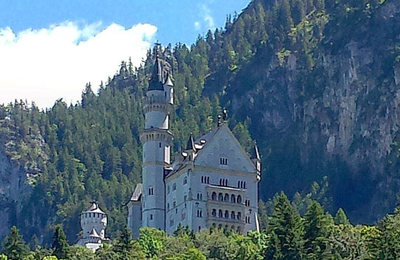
220	197
201	196
168	189
151	191
233	198
214	196
214	213
226	214
220	214
202	179
184	180
208	180
244	185
239	199
233	216
174	186
226	197
239	216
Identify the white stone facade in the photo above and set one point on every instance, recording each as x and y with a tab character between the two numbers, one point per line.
213	183
93	224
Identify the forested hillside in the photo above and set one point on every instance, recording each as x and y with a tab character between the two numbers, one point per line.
314	81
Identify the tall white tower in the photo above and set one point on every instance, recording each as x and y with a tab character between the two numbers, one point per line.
156	141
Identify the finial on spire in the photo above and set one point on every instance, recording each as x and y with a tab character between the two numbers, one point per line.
224	114
190	144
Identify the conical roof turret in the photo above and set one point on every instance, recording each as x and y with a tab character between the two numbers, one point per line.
156	82
190	144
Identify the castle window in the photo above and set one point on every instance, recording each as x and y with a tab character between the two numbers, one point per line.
247	203
238	230
239	199
233	216
159	145
151	191
184	180
226	197
239	216
174	204
214	213
151	216
184	198
201	196
90	215
233	199
167	206
220	197
214	196
199	228
208	180
174	186
226	214
220	213
223	161
168	189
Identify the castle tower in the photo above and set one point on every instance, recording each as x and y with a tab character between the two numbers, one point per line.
156	141
93	223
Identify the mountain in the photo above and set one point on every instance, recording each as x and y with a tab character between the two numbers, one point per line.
315	82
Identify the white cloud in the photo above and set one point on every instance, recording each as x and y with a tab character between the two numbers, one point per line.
207	16
197	26
56	62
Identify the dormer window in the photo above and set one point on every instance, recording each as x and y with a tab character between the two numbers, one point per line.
223	161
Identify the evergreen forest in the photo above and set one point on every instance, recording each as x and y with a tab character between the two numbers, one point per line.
315	82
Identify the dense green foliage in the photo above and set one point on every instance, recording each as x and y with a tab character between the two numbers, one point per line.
288	236
75	153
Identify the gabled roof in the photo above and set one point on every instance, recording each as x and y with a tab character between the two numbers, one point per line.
136	195
255	153
203	143
93	233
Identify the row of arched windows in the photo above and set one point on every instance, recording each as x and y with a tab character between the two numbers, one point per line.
226	214
226	197
226	227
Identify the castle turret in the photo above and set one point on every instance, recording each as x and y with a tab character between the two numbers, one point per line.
93	223
156	140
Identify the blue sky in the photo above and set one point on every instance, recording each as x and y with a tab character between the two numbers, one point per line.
175	19
60	45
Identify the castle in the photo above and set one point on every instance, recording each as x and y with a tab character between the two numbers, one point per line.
212	183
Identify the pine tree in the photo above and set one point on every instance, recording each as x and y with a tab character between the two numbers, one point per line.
316	225
60	244
341	217
287	231
13	245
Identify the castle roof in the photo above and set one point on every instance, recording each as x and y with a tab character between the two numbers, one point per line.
156	80
201	144
137	193
94	208
255	153
94	233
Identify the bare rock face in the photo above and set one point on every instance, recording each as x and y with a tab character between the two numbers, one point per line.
14	191
350	110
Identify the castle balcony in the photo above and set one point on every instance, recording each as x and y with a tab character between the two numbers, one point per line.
225	207
156	103
155	134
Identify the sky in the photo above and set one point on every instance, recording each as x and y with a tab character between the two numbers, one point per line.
51	49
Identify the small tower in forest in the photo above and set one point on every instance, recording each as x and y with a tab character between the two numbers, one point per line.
93	224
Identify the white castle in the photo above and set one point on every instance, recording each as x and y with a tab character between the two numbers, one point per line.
93	223
212	183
